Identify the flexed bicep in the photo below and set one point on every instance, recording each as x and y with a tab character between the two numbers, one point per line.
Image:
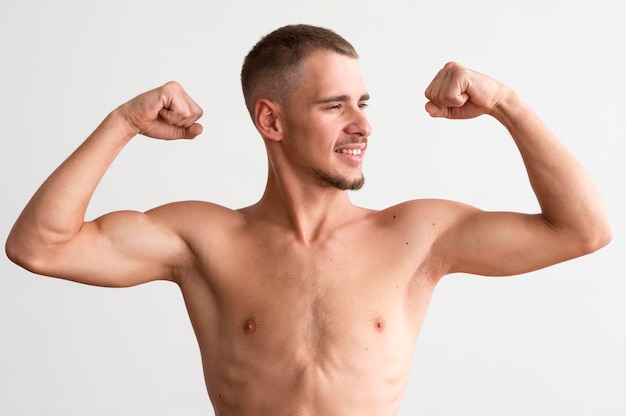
119	249
51	236
500	243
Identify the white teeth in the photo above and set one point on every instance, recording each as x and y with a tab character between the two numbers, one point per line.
350	151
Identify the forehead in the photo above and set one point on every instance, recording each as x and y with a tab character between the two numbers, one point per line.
329	73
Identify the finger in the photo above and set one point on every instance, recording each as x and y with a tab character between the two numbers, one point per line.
457	98
449	94
192	131
171	132
448	88
177	106
434	110
181	115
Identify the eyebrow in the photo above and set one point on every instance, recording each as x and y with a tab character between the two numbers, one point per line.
340	98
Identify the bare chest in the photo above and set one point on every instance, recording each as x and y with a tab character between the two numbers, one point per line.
304	319
352	286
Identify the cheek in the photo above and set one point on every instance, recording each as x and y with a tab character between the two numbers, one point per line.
310	137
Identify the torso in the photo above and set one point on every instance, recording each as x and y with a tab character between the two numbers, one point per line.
322	328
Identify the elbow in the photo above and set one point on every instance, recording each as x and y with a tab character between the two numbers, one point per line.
23	253
603	234
605	237
599	236
12	249
15	251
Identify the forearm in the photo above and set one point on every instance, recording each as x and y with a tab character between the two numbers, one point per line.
56	211
569	201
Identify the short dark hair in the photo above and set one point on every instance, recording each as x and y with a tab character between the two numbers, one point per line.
269	69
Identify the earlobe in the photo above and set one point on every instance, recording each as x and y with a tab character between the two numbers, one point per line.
266	120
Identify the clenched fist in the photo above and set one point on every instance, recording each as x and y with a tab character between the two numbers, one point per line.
460	93
167	113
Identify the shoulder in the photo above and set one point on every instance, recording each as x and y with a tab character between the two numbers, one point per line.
203	229
426	212
188	218
427	221
191	208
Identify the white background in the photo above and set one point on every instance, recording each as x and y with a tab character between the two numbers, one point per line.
547	343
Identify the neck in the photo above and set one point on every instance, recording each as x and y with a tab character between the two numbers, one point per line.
307	209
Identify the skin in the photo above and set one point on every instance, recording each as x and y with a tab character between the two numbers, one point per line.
305	304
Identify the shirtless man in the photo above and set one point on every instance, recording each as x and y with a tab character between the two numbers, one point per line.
304	304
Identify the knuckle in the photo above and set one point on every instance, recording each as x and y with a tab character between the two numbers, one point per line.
451	96
172	85
170	89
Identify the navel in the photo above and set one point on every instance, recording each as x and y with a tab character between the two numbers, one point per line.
249	327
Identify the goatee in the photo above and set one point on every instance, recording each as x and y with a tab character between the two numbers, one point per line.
338	181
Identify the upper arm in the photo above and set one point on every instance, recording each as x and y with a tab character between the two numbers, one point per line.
119	249
473	241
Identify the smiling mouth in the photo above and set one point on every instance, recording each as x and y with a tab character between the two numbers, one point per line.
355	152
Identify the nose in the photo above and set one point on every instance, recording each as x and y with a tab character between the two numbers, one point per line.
359	125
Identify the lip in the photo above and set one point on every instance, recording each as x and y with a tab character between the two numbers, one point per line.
351	158
351	146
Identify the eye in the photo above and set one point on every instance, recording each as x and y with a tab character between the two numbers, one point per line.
363	105
334	107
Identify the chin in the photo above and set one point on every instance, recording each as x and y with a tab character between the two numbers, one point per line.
346	184
355	185
340	182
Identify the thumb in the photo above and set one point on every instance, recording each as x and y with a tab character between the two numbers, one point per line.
191	132
435	111
194	130
165	131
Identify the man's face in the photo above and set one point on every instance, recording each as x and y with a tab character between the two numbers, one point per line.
325	123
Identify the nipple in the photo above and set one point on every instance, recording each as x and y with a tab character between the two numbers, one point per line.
379	324
249	327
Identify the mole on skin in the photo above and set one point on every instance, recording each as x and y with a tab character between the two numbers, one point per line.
249	327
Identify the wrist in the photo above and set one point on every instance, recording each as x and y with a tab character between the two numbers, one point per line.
510	108
123	127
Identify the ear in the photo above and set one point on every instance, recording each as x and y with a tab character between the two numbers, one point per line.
266	119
